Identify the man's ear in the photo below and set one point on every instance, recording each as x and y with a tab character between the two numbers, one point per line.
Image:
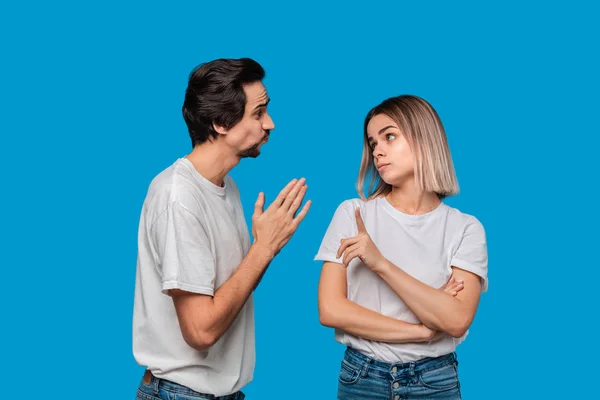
220	129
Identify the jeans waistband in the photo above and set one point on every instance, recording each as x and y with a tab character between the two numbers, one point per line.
382	368
153	383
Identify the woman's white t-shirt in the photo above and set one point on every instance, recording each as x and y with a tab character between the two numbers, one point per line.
425	246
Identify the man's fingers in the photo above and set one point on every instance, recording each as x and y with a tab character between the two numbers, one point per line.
292	194
298	200
302	214
259	204
284	192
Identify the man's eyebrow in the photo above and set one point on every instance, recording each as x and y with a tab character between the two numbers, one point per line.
262	104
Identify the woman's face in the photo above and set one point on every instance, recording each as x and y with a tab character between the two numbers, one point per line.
392	155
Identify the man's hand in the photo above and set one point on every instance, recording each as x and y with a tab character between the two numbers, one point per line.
273	228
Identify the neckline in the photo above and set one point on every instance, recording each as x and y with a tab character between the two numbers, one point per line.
410	217
218	190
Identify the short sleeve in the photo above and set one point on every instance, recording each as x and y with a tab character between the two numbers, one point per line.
186	260
471	254
342	226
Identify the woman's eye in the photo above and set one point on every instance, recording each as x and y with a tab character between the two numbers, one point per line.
390	136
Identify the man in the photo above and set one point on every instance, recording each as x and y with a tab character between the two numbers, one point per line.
193	325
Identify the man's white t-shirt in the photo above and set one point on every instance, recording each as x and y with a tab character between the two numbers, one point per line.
425	246
192	236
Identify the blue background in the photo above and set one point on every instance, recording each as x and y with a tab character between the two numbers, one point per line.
91	95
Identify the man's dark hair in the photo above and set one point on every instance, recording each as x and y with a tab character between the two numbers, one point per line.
215	94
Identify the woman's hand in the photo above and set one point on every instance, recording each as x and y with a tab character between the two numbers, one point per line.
428	335
453	287
361	246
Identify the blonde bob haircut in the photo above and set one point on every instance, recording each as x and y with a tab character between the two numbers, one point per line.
424	132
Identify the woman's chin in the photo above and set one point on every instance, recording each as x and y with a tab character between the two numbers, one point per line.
386	180
396	181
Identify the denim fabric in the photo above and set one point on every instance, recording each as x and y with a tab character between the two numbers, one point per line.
160	389
362	377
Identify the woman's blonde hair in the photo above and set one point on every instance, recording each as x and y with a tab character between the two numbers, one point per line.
423	130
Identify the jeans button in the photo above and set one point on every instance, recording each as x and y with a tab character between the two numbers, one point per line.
396	397
396	385
394	370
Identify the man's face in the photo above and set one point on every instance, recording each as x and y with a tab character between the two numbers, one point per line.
248	135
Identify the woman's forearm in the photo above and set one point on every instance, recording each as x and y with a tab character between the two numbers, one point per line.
433	307
368	324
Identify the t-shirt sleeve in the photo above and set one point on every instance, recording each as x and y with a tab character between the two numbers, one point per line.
342	226
186	259
471	254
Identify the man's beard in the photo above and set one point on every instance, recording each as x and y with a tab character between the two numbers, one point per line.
253	151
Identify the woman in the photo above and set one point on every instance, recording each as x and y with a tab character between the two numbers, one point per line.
403	271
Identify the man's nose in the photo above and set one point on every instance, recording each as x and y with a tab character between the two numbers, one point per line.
268	124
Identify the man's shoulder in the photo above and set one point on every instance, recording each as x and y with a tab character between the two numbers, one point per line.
173	185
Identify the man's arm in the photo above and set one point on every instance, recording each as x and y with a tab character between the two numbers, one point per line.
204	319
